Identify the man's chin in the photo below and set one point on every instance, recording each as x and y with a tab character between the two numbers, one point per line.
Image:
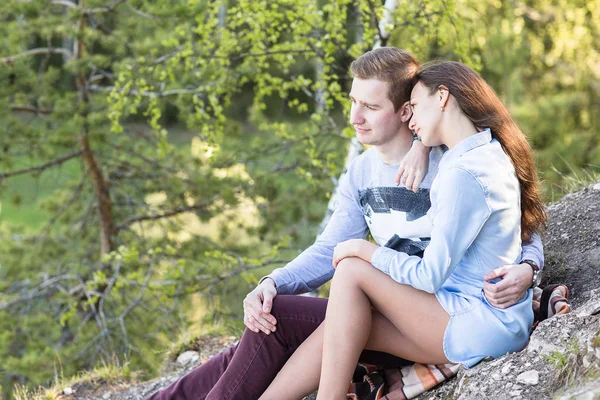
364	138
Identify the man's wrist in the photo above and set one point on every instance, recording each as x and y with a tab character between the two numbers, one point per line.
417	142
268	280
536	277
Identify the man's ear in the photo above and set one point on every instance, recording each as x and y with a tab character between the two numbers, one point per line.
443	94
405	112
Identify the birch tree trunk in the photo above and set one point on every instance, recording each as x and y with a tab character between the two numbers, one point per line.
385	27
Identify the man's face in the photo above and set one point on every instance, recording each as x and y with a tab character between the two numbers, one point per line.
372	113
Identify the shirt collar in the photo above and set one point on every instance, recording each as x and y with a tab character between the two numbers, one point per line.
468	144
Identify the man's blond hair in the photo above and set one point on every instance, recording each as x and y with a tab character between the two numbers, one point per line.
392	65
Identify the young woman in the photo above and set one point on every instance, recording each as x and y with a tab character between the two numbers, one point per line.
485	204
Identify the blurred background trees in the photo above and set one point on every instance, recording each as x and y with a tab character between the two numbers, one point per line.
157	157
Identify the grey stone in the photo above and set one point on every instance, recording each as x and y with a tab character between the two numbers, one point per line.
531	377
188	357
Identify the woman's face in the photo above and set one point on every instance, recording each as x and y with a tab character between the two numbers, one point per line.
426	115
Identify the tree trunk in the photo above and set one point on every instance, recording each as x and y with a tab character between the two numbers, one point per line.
101	186
385	27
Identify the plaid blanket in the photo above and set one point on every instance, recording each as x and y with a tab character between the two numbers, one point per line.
373	383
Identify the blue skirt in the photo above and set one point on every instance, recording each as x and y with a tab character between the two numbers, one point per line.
477	330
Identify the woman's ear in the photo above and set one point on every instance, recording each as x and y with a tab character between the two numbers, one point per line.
443	94
405	112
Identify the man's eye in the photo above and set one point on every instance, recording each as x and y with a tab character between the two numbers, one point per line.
370	108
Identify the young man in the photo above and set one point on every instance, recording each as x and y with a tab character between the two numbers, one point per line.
370	201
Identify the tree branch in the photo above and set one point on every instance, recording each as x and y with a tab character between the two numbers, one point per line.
140	13
97	88
34	52
66	3
37	291
31	109
42	167
108	9
198	208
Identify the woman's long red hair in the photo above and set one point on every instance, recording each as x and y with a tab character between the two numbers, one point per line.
483	107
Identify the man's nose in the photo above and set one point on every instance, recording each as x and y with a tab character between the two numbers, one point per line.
356	117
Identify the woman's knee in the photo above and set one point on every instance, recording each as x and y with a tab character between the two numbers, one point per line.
350	269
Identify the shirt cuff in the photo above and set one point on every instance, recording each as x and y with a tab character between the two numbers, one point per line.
267	277
280	278
382	258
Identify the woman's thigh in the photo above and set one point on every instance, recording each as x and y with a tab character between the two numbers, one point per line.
407	322
294	314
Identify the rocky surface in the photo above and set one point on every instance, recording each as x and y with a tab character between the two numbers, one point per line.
563	357
572	243
564	352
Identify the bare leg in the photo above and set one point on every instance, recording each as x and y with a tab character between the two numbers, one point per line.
409	323
299	377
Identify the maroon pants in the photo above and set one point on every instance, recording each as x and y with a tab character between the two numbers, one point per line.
244	371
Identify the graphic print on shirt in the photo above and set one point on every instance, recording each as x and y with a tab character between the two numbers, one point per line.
397	217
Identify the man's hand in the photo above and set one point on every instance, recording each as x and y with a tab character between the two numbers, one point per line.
516	279
257	308
414	166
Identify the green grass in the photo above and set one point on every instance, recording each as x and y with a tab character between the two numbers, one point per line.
108	373
572	182
20	199
571	371
567	362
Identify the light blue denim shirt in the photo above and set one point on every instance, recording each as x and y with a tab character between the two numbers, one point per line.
476	217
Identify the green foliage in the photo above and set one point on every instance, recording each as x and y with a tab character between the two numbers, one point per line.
215	128
568	363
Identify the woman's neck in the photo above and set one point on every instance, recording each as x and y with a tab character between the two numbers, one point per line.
458	129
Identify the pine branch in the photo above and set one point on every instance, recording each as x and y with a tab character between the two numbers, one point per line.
166	93
108	9
87	11
38	291
198	208
42	167
66	3
31	109
38	51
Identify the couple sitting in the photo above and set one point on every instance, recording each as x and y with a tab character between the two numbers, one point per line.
457	252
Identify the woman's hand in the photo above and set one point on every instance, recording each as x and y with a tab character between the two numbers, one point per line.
414	166
353	248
